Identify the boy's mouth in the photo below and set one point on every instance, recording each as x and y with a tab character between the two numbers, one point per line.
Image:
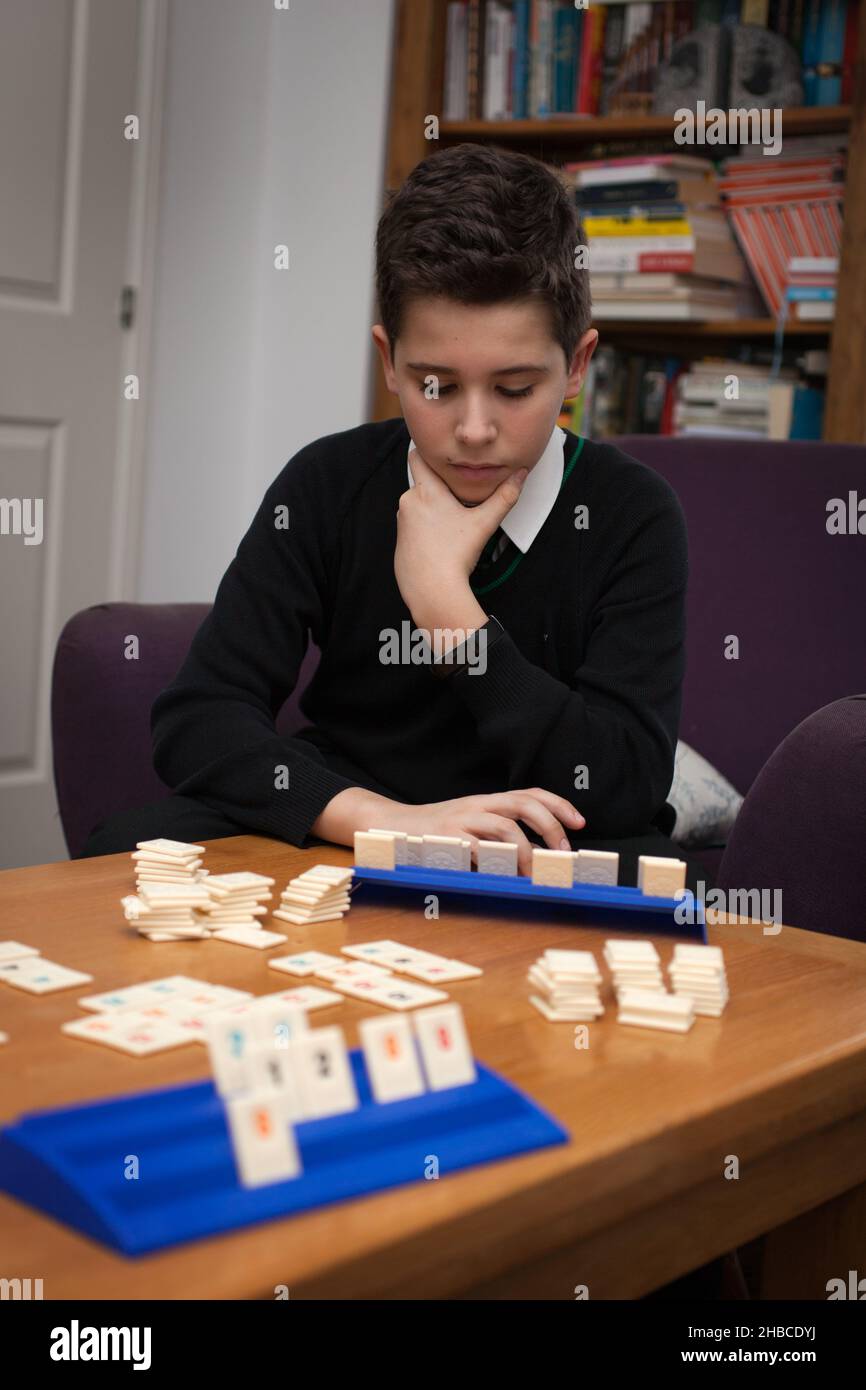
478	472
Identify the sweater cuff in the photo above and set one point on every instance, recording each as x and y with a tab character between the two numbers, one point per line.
311	787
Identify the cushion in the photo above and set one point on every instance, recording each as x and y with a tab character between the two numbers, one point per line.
705	802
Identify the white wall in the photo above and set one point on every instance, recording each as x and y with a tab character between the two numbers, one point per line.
275	132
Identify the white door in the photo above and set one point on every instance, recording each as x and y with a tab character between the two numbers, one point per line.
67	83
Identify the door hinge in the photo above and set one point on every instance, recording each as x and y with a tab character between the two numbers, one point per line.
127	306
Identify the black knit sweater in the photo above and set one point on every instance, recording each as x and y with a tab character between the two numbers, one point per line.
588	672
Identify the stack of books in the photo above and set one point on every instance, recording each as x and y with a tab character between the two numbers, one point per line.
660	246
729	399
811	288
786	207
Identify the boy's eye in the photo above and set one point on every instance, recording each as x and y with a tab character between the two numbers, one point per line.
509	395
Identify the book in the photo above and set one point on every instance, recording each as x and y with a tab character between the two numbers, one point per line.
665	221
497	61
475	60
456	103
683	254
815	311
658	283
809	51
628	169
849	51
612	52
829	50
698	191
591	60
566	50
663	310
541	57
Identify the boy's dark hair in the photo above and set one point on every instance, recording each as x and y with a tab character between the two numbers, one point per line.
480	225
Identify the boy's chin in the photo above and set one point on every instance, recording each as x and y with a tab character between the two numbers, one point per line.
474	501
471	494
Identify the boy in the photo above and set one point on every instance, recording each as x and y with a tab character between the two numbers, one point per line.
498	603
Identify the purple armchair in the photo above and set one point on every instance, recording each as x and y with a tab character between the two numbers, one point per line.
762	568
776	721
100	706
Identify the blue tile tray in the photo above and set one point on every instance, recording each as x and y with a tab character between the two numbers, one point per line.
69	1163
583	905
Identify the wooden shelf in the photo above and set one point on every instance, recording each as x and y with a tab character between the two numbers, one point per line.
798	120
711	328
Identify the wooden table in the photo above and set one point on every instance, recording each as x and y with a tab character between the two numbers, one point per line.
636	1198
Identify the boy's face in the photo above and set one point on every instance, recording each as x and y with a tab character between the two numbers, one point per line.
501	380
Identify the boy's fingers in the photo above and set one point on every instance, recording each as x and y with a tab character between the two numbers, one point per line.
494	827
524	806
423	473
497	506
566	812
535	814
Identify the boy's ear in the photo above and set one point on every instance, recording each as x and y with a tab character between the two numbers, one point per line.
579	362
380	338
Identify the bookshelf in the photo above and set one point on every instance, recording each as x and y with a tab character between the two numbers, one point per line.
417	79
804	120
740	328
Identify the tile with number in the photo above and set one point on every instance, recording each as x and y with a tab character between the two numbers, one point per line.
391	1058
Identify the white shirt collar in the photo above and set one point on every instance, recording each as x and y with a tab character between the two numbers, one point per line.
541	489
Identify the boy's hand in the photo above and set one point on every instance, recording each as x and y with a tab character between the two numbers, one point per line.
494	816
439	540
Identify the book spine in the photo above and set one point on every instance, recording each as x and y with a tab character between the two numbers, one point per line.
683	17
612	54
809	51
849	51
564	60
544	59
637	226
779	21
831	46
587	48
489	91
597	65
809	293
511	62
520	98
496	51
451	106
647	191
624	212
473	81
754	12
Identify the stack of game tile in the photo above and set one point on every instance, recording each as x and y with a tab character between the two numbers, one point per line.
652	1008
319	894
168	911
167	861
236	900
568	983
698	973
634	965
